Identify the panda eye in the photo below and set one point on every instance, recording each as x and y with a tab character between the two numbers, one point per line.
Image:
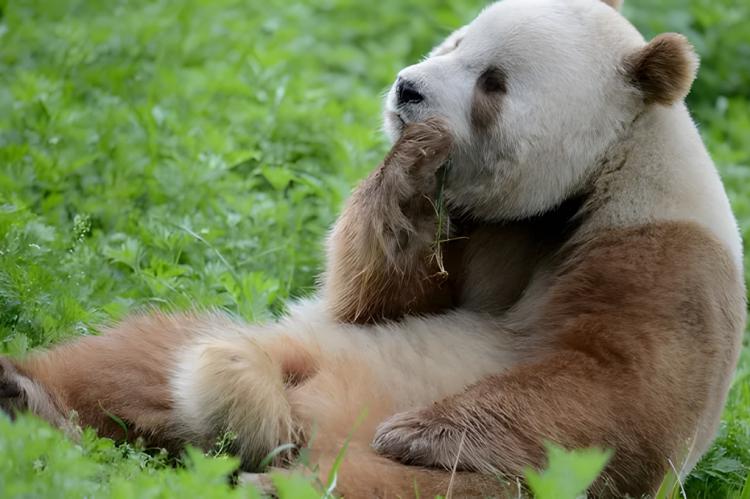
493	80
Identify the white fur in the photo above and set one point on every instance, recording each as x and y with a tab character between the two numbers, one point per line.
567	101
568	105
362	370
669	176
439	355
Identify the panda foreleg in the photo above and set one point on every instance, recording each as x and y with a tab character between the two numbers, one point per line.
381	262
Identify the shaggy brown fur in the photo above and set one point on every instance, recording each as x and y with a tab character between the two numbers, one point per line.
383	243
640	329
119	377
631	348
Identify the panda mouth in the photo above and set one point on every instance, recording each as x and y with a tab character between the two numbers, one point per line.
396	120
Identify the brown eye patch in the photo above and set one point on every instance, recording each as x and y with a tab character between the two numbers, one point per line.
493	80
491	85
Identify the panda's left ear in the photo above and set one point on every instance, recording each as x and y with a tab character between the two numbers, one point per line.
664	69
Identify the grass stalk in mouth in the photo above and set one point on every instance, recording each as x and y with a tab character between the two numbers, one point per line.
442	230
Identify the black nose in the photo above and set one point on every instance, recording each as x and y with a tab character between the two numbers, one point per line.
406	92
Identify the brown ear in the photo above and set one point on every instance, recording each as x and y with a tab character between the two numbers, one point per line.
615	4
664	69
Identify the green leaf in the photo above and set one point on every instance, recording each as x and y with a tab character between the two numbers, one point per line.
568	473
279	178
294	486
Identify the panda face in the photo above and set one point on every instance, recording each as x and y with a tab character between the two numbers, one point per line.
534	92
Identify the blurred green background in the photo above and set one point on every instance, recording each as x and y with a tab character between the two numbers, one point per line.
173	153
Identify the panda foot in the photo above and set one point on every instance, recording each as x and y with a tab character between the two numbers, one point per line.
13	397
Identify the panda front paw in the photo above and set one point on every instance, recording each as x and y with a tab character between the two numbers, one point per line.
418	438
419	153
406	209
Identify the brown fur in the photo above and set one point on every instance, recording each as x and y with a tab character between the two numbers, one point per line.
20	391
298	364
664	69
364	474
491	265
345	403
631	348
615	4
123	373
382	245
641	329
486	101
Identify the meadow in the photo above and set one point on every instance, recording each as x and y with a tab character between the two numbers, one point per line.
173	154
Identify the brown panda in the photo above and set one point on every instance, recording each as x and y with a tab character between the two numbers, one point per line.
585	288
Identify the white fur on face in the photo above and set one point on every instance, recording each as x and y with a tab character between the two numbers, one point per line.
567	101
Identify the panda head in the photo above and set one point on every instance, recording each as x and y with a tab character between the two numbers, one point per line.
535	92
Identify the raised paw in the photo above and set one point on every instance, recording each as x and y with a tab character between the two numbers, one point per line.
418	438
420	151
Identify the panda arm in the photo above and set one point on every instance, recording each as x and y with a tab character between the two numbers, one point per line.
380	263
632	343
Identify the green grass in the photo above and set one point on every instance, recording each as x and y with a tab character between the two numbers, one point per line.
173	153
